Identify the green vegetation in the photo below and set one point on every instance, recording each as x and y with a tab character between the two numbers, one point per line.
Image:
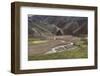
33	39
36	41
76	53
39	41
79	52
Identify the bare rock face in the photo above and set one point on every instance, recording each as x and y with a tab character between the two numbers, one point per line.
42	25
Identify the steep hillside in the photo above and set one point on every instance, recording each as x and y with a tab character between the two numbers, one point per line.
43	25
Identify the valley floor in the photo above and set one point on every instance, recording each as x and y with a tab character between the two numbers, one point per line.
38	48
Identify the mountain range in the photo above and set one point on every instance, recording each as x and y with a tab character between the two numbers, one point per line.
47	25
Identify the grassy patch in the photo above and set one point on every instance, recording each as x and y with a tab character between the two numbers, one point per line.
79	52
39	41
33	39
72	54
36	41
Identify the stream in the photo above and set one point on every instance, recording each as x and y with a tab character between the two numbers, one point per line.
61	48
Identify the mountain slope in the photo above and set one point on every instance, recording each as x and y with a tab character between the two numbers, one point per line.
42	25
